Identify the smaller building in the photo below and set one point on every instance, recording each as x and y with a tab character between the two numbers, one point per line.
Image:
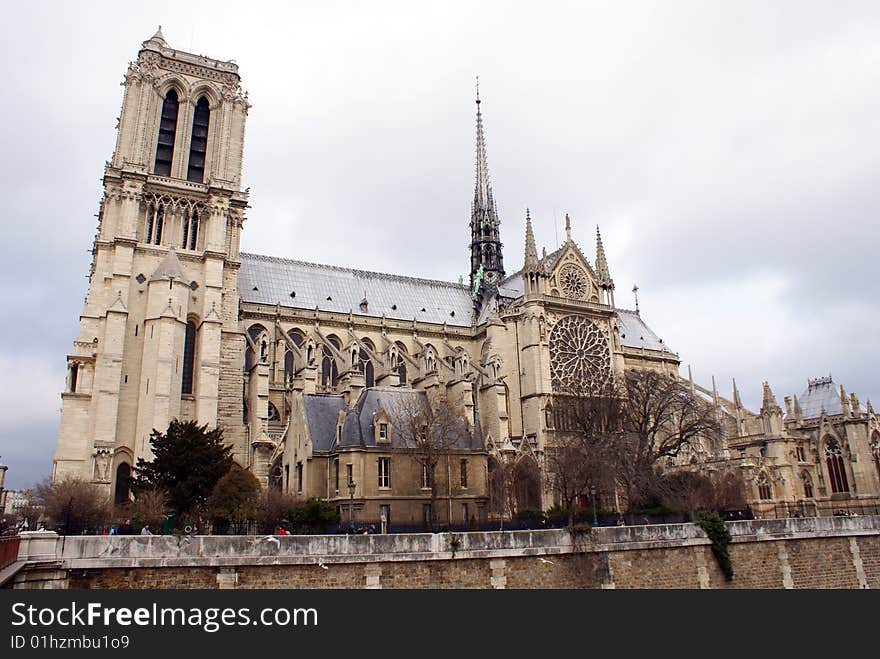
370	457
821	456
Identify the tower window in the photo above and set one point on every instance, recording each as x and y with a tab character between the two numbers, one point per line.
155	222
189	352
198	145
190	228
167	130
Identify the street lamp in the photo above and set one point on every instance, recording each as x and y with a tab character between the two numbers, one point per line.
593	504
351	488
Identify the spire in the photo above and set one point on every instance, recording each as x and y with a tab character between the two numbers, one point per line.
567	228
531	254
156	40
485	236
605	280
798	415
483	190
844	402
769	403
736	399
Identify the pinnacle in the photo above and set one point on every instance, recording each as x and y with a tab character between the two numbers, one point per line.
601	261
531	253
158	36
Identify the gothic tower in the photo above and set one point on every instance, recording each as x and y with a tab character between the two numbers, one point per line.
159	335
487	263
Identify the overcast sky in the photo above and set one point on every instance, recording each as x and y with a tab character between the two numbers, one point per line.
729	151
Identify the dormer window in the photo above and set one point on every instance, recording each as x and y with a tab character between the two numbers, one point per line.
383	432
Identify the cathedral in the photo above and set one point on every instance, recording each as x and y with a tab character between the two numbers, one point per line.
309	368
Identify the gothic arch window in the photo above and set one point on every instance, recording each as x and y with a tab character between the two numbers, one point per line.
157	214
400	364
189	356
836	466
430	359
579	356
74	373
258	335
329	370
198	145
190	226
167	131
808	485
765	491
122	491
272	413
365	364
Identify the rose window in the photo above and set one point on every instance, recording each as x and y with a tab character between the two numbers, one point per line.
579	357
573	282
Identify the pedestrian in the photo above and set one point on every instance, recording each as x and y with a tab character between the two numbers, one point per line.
125	529
146	530
114	530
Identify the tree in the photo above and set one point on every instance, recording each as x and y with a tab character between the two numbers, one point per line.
514	485
188	460
580	458
631	424
74	505
233	500
273	509
430	431
148	507
659	416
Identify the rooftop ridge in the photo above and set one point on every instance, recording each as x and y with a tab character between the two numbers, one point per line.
355	271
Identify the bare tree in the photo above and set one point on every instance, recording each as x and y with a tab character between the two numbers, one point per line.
430	431
514	485
625	427
659	416
74	505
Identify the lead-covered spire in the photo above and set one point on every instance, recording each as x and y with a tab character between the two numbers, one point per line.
485	237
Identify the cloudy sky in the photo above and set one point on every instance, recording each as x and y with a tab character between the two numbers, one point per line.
729	152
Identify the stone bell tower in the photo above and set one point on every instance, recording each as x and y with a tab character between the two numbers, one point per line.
159	335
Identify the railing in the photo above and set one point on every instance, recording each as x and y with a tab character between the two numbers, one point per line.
8	550
820	509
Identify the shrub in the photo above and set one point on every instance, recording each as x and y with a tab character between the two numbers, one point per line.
234	499
717	531
313	516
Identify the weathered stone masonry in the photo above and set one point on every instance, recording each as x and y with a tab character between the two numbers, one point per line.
839	552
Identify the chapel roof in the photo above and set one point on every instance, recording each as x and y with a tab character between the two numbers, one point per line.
821	395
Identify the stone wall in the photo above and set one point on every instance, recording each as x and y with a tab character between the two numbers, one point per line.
793	553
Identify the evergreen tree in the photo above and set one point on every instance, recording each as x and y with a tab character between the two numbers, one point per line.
188	460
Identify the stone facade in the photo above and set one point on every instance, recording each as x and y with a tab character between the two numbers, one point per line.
178	323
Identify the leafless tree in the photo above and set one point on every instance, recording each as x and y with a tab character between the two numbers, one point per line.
74	505
430	431
626	427
514	485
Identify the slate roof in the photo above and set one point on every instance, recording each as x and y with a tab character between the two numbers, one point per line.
271	280
634	333
322	412
821	394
